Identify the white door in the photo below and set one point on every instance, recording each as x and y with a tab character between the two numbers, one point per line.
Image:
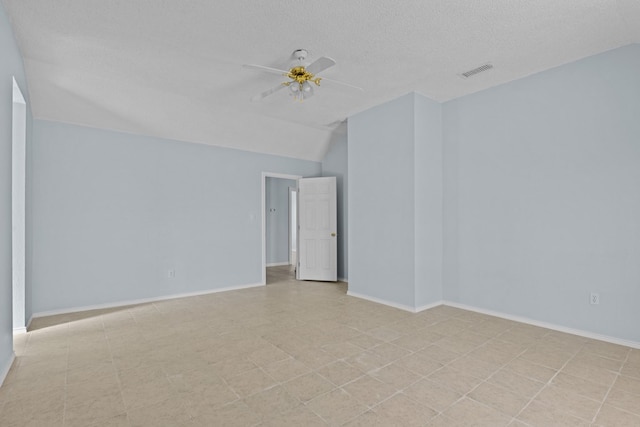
317	229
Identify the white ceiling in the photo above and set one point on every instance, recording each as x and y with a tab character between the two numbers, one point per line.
173	68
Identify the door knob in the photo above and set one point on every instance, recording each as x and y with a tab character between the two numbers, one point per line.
333	234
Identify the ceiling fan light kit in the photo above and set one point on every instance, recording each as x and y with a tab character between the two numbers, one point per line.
299	86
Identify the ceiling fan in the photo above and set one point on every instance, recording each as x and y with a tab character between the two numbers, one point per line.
301	77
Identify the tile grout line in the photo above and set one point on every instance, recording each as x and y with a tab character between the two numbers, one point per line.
513	417
613	383
548	383
66	381
444	365
397	392
113	365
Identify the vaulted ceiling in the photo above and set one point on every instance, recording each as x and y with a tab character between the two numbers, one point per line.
173	68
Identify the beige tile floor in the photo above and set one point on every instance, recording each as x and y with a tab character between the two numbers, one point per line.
305	354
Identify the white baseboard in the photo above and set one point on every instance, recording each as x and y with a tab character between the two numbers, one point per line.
141	301
394	304
4	370
546	325
520	319
277	264
515	318
24	329
428	306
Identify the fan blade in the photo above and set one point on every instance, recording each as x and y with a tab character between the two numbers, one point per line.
266	69
320	65
266	93
341	83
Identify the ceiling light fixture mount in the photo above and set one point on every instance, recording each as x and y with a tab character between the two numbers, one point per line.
300	54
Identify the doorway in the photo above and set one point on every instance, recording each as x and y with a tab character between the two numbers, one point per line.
276	226
18	196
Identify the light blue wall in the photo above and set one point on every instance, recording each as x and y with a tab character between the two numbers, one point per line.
335	164
10	66
113	212
450	204
277	220
381	205
395	202
543	180
539	197
428	193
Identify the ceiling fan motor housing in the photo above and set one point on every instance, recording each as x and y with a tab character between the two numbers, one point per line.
301	75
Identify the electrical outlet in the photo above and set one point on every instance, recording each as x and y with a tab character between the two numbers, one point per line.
171	274
594	298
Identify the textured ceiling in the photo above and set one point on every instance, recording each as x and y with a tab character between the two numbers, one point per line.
173	68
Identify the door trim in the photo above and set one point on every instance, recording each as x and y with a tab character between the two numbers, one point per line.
263	184
291	191
18	209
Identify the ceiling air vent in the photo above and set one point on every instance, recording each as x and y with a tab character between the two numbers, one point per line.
478	70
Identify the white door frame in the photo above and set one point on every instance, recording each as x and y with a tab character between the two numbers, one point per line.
18	193
291	191
266	175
